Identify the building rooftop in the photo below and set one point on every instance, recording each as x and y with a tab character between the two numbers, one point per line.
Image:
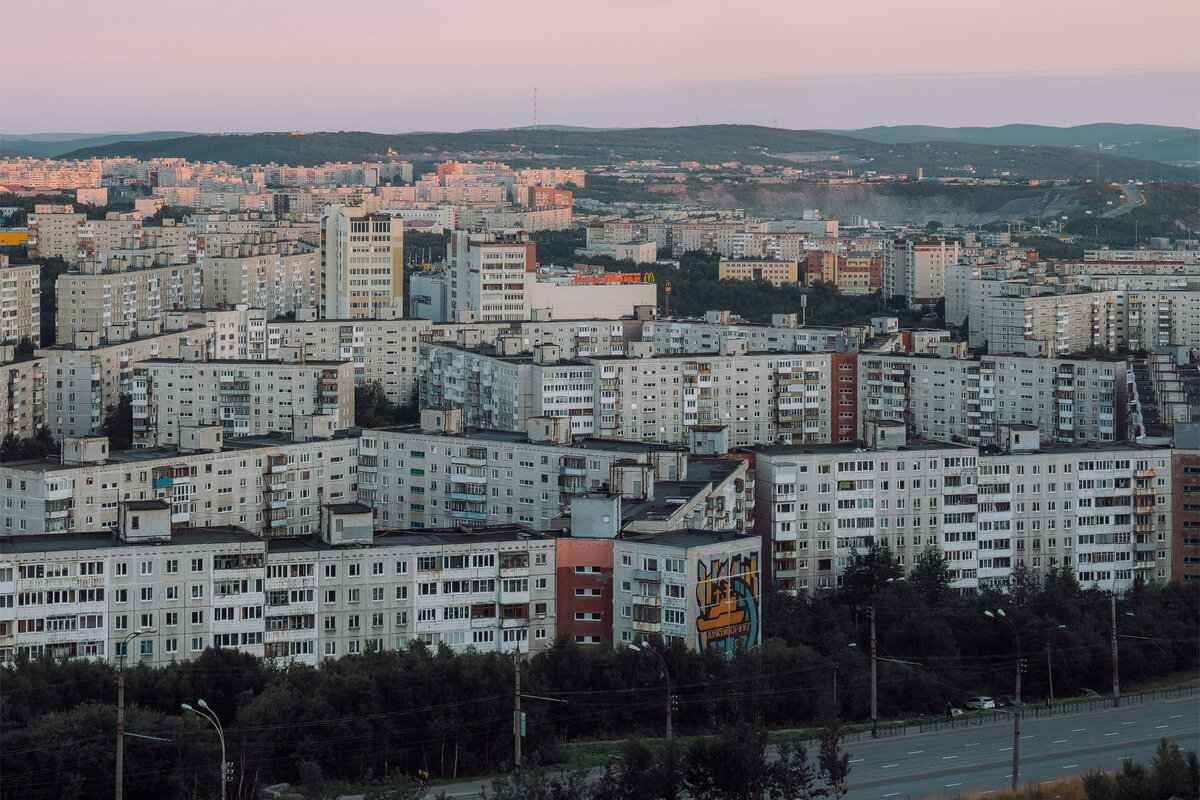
688	537
104	540
519	437
846	448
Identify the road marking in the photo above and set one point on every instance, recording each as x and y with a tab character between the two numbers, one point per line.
1110	734
972	744
1070	766
1002	749
889	766
1058	741
856	760
1078	730
952	785
1176	716
1030	736
1129	723
1156	727
947	758
891	794
915	752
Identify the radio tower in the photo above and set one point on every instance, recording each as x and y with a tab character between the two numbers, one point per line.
535	108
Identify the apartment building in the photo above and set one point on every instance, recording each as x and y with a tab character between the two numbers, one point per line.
95	298
701	588
52	232
1103	510
777	273
784	334
916	268
281	277
361	263
951	397
292	600
269	485
22	393
1185	503
384	349
246	398
20	302
489	274
86	375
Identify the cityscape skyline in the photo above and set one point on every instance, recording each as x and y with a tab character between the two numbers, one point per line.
665	64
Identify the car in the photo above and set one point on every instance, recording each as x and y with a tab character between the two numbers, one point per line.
980	702
1088	693
1006	701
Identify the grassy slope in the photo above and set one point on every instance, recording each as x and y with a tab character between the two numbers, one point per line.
706	143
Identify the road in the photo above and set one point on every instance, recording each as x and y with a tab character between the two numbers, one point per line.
1133	199
979	759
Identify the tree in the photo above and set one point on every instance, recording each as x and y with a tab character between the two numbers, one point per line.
640	774
793	776
539	785
24	348
931	575
373	409
1169	774
40	445
118	424
834	764
866	575
731	767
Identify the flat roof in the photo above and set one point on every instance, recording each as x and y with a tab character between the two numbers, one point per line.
520	437
687	537
105	540
845	448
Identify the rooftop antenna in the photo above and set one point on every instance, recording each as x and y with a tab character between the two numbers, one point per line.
506	122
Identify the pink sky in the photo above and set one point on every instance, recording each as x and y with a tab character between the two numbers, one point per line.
455	64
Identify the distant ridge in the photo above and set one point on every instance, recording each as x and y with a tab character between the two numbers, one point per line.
707	144
55	144
1171	145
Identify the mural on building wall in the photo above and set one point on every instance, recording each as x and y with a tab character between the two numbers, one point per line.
729	603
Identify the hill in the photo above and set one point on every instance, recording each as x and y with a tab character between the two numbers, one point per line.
42	145
1171	145
707	144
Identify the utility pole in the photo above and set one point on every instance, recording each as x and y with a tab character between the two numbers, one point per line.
1116	679
874	692
517	713
120	793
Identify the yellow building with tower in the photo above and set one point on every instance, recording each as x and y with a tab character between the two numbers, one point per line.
362	262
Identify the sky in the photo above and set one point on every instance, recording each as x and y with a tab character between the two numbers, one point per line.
252	65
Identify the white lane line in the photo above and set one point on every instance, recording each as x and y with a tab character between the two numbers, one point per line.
972	744
889	766
1002	749
1176	716
891	794
915	752
1030	736
1058	741
1069	766
1110	734
1129	723
952	785
1156	727
856	760
947	758
1078	730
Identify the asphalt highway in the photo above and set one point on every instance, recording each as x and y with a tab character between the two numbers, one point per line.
978	760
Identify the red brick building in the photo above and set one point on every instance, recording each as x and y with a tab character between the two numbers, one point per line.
585	592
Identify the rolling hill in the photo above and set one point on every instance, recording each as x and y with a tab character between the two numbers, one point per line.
55	144
706	143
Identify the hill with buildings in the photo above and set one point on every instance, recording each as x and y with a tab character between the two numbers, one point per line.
707	144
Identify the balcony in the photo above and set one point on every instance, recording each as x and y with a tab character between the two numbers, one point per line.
647	575
469	497
641	600
472	515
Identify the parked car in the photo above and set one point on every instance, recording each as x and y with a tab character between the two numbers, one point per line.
1088	693
1006	701
980	702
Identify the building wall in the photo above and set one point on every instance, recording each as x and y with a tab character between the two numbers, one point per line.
1185	513
20	303
362	263
778	273
22	397
585	590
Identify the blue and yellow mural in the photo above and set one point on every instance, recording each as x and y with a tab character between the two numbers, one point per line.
728	593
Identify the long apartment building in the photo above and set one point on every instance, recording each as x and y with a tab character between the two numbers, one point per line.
1103	510
294	600
270	485
96	298
748	397
949	397
784	333
87	374
281	277
246	398
20	303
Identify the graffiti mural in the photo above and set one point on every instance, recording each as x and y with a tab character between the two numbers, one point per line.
728	594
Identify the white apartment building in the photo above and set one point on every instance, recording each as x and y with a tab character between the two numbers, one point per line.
20	302
701	588
88	374
362	262
443	474
246	398
916	268
784	334
293	600
267	484
281	277
949	397
489	274
22	393
1024	505
95	300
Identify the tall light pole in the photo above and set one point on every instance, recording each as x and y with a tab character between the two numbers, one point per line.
517	726
874	683
1049	671
120	790
207	713
666	673
1017	695
1116	674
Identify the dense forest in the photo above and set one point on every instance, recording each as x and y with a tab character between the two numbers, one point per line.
450	713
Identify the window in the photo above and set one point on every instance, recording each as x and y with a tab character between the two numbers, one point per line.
197	565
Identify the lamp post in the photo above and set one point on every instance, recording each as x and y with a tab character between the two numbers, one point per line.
207	713
517	732
120	790
666	673
1049	672
1016	696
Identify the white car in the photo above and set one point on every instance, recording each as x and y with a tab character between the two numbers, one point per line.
981	702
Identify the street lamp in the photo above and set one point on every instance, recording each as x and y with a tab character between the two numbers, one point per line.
646	646
120	793
1049	672
1017	695
517	732
207	713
